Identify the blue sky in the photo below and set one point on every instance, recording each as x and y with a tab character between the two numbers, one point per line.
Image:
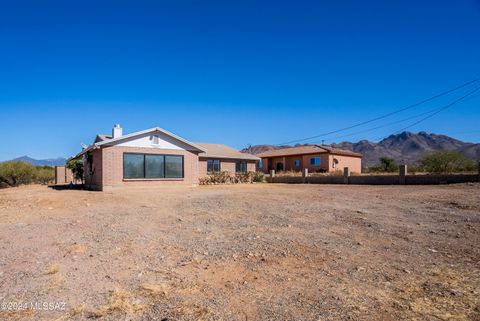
232	72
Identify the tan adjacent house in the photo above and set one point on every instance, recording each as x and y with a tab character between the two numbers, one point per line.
156	157
315	158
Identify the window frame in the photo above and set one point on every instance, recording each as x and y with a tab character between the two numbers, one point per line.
145	169
314	162
241	162
213	160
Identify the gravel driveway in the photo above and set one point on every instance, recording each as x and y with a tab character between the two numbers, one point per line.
246	252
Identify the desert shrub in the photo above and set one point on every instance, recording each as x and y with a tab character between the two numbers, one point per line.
216	178
258	177
246	177
76	166
226	178
386	165
414	168
443	161
44	175
14	173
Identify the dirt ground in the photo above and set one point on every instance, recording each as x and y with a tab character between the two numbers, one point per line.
250	252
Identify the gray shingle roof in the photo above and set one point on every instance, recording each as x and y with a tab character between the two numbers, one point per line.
223	151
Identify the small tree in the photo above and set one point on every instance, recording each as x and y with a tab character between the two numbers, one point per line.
14	173
388	164
443	161
76	166
44	174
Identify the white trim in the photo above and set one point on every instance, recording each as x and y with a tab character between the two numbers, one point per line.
149	131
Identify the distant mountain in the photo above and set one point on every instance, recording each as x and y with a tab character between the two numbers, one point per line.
42	162
405	148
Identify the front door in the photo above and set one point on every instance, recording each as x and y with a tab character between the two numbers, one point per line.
279	167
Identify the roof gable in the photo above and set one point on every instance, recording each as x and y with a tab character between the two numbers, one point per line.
145	138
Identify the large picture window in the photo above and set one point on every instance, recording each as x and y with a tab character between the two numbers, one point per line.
173	166
152	166
213	165
241	166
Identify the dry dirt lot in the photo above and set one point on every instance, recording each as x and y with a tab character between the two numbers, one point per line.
251	252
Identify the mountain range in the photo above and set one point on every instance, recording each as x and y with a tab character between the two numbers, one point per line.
42	162
405	148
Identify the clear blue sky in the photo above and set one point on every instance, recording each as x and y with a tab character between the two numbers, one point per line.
232	72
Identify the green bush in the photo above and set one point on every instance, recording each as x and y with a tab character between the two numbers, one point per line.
15	173
259	177
387	165
44	175
445	162
76	166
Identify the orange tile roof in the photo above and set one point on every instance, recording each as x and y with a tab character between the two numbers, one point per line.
303	150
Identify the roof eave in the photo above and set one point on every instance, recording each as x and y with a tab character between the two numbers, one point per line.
253	158
147	131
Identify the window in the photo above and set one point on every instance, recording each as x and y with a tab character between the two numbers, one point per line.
156	140
152	166
133	166
279	167
315	161
241	166
213	165
173	166
296	163
335	163
260	164
90	163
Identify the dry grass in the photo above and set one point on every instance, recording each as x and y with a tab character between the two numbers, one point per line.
77	248
52	270
120	301
154	289
194	311
18	315
437	295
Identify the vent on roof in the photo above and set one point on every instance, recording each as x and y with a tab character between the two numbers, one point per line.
117	131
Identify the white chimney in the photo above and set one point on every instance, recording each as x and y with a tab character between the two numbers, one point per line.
116	131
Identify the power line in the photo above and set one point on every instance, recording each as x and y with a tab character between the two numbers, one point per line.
399	121
382	126
441	109
385	115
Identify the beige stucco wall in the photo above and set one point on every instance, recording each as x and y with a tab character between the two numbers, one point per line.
354	163
326	163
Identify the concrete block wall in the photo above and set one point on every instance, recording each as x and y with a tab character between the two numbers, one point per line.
401	179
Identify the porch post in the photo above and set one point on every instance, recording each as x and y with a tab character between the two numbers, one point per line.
402	174
346	174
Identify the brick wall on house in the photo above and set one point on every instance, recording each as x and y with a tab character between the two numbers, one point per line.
93	173
228	165
112	164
